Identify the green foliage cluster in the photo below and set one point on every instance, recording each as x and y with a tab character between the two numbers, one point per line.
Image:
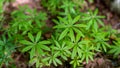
58	7
6	49
115	48
1	12
25	20
76	36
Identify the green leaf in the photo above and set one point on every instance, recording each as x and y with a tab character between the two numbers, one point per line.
78	32
57	44
54	62
55	21
45	47
106	44
57	53
73	53
60	26
99	21
63	34
117	52
89	24
64	57
26	42
32	53
69	18
91	57
39	50
104	48
95	26
83	57
38	36
79	25
63	20
72	36
95	12
78	37
46	59
44	42
79	52
63	44
113	49
55	48
87	59
37	64
26	48
76	19
32	61
100	17
50	61
31	37
58	61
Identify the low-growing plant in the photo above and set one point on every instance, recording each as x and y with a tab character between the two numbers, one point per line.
2	13
69	26
62	50
101	40
76	36
52	5
26	19
7	47
36	47
83	50
52	58
68	7
93	20
1	8
60	7
115	48
19	21
84	38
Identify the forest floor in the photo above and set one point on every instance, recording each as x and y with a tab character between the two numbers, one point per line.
101	60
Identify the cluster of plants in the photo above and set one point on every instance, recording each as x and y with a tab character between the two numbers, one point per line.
75	36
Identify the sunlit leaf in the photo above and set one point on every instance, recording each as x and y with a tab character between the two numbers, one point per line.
63	34
72	35
58	61
27	48
38	36
26	42
76	19
32	52
44	42
31	37
45	47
